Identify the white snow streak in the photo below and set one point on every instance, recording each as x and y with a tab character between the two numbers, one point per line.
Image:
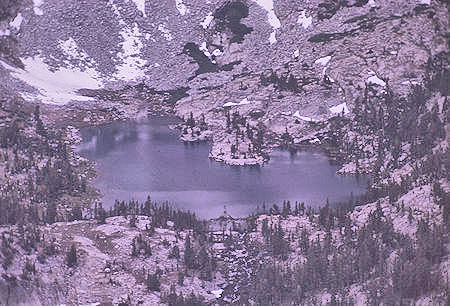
323	60
132	64
204	49
37	7
243	102
304	118
207	21
70	47
268	6
17	22
181	7
303	20
273	19
410	83
116	12
376	80
217	293
165	31
217	52
73	52
54	87
272	38
336	110
140	4
5	32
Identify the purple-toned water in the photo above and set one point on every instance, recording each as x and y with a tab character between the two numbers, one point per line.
137	159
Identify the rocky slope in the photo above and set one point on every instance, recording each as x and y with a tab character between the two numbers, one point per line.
379	253
368	81
282	63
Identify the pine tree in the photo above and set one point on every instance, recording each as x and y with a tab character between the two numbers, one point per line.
191	121
189	255
101	215
51	212
40	129
286	137
205	265
71	257
134	250
133	221
175	252
153	283
180	280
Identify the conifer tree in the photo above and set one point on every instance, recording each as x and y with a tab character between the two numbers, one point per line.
71	257
189	254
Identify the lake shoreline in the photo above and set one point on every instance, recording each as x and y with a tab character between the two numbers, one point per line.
203	162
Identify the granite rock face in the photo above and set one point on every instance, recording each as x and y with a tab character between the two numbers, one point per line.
293	62
247	75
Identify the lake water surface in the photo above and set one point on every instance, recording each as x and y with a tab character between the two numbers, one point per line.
137	159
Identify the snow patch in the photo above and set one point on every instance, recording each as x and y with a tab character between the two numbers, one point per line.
304	118
140	4
71	49
116	12
17	22
207	21
5	32
338	109
268	6
296	53
303	20
272	38
181	7
217	52
37	7
204	49
217	293
410	83
132	64
425	2
243	102
165	31
54	87
372	3
376	80
323	60
271	16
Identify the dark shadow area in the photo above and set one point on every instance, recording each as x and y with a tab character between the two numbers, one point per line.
229	16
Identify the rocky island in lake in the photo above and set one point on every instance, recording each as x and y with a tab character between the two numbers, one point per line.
224	152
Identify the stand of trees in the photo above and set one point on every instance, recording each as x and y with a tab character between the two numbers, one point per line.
159	213
397	125
28	147
190	125
254	136
392	268
286	81
357	256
